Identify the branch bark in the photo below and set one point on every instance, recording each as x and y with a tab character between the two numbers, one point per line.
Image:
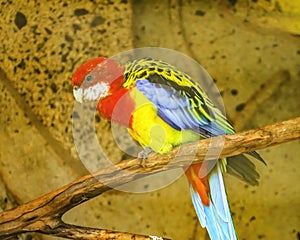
44	214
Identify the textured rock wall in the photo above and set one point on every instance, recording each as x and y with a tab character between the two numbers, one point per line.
251	49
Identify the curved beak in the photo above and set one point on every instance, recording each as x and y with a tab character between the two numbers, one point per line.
78	94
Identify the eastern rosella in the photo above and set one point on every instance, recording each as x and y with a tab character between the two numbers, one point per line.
162	107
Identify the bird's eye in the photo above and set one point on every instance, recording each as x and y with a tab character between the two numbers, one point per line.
88	78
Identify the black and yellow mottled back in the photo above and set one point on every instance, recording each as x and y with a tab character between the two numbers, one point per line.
165	75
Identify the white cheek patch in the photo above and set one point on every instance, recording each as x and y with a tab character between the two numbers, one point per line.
95	92
92	93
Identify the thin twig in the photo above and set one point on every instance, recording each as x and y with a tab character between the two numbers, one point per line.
44	214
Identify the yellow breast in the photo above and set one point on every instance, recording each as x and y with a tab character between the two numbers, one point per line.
151	131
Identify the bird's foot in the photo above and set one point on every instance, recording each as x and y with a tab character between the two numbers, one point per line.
143	155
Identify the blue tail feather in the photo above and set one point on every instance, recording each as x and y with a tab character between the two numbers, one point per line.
216	217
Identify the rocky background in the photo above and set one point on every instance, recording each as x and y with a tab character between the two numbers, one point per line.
250	48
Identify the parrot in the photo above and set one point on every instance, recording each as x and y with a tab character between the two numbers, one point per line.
162	107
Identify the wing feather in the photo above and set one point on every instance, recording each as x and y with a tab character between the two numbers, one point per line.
174	107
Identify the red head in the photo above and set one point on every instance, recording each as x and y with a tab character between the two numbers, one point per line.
96	79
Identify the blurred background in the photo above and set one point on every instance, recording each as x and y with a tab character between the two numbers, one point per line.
250	48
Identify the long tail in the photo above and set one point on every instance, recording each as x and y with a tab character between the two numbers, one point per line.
210	202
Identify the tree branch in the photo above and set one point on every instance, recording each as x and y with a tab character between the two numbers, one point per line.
44	214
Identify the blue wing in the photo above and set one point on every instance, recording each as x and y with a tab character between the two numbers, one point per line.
182	111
